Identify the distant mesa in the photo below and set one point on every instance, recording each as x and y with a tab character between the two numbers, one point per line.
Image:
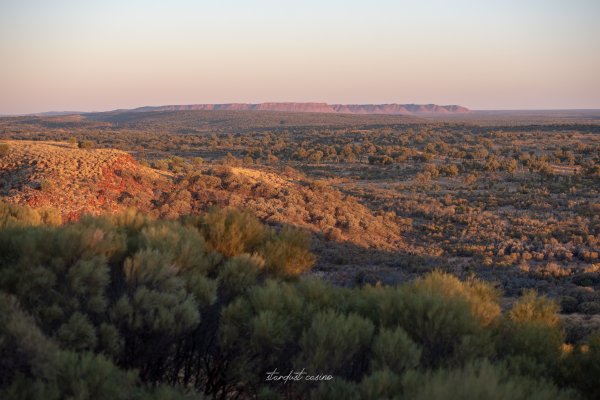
389	109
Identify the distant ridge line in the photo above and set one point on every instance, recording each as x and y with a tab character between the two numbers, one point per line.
389	109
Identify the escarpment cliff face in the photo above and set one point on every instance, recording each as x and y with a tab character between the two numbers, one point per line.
389	109
399	109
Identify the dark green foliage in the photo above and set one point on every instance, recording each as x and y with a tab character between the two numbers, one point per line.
581	368
382	384
35	367
239	274
530	336
395	350
479	381
335	343
127	307
336	390
443	325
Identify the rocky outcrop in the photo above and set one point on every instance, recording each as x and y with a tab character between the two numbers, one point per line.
389	109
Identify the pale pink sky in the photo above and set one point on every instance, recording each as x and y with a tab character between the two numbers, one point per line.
85	55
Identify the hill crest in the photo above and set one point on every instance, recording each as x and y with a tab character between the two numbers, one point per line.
95	181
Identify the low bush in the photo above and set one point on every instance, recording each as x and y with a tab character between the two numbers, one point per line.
124	306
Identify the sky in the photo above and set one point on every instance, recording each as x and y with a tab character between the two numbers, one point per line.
102	55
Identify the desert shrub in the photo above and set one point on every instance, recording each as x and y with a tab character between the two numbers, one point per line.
46	185
589	307
432	170
260	331
383	384
335	343
4	149
156	308
240	273
532	308
483	298
380	160
162	165
111	284
337	389
287	253
232	232
125	306
34	367
479	380
444	326
23	346
470	179
86	144
450	170
423	177
580	368
530	336
394	350
12	215
568	304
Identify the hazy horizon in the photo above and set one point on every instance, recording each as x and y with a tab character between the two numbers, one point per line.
86	56
520	110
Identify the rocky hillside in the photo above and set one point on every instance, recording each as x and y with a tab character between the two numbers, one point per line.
73	180
291	198
390	109
77	181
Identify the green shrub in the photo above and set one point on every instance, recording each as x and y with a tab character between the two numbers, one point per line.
530	337
335	343
337	389
580	368
483	298
383	384
395	350
444	327
479	381
34	367
120	306
240	273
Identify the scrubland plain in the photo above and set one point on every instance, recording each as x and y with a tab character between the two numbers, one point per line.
188	253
